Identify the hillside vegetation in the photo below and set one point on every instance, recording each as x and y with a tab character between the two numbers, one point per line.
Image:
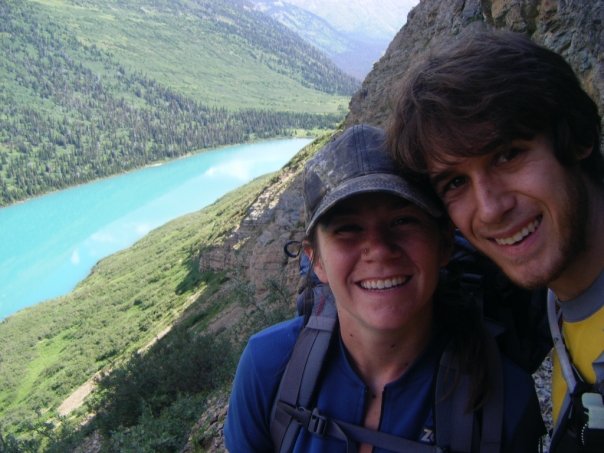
49	350
93	88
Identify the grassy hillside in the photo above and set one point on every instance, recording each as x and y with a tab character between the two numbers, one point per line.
89	89
215	51
49	350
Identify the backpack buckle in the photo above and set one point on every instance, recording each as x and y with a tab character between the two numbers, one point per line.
317	423
593	407
591	435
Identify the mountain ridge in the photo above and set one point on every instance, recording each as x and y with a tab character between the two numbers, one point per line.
354	37
573	29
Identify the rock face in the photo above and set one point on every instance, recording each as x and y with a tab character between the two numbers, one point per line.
573	28
254	251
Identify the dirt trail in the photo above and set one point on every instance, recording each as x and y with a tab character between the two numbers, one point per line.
76	399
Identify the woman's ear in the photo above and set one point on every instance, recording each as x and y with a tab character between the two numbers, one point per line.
317	264
308	251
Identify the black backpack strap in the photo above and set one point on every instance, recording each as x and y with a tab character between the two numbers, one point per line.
454	431
492	412
351	434
454	422
519	314
302	372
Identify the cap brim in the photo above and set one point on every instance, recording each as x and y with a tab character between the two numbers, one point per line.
386	183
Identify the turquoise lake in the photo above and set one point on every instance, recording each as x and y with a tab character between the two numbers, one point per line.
50	243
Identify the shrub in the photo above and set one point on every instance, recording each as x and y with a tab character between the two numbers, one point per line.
181	364
166	432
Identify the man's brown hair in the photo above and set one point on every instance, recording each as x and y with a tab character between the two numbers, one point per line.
485	90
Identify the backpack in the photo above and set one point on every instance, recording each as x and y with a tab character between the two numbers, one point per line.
292	409
581	425
515	316
469	274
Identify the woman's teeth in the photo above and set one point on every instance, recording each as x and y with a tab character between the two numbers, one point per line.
383	284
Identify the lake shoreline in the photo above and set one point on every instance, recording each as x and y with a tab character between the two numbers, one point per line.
161	162
56	239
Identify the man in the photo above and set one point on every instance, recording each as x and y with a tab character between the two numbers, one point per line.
511	144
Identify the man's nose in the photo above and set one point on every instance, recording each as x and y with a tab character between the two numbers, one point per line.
493	199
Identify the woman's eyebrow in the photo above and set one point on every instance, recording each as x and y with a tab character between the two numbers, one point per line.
350	208
401	203
339	211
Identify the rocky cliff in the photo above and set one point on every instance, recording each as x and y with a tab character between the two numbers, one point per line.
574	28
255	249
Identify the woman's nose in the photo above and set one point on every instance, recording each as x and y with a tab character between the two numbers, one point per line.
380	243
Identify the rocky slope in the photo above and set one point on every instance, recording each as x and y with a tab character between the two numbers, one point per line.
254	250
573	28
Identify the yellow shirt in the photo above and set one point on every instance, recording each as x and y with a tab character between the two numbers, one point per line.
584	339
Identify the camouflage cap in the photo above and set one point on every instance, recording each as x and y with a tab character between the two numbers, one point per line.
354	163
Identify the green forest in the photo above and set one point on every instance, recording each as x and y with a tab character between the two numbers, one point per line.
73	107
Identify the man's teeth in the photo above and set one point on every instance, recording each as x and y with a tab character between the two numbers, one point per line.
520	235
383	284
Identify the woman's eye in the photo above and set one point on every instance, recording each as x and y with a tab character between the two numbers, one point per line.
406	220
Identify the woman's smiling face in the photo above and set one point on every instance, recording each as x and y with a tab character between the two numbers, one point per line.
381	256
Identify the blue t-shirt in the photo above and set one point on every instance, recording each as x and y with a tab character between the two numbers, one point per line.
407	402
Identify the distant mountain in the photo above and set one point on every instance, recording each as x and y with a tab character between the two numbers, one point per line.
353	34
91	88
368	19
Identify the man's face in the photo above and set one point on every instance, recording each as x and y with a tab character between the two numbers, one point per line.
519	206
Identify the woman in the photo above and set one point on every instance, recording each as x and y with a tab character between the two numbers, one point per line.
379	241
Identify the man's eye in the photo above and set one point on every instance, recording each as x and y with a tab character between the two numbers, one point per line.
452	184
507	155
